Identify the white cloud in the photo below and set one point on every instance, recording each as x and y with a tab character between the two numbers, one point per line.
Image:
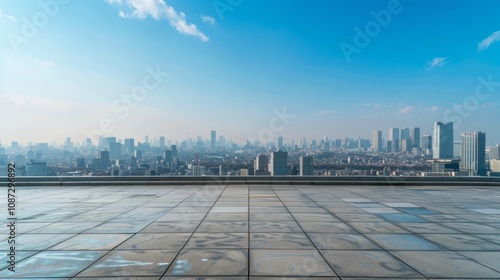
11	18
490	105
208	19
434	109
436	62
406	110
157	9
484	44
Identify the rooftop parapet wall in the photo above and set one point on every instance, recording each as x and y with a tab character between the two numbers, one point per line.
233	180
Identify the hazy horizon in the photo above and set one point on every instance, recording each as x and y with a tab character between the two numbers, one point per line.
130	68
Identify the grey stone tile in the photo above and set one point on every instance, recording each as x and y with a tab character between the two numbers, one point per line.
37	242
182	217
326	227
367	264
445	264
65	227
402	242
108	227
338	241
490	237
164	227
401	204
96	242
156	241
359	218
426	228
223	226
218	241
280	241
376	227
240	217
402	218
5	257
255	217
314	217
489	259
288	263
53	264
472	228
461	242
381	210
130	263
263	226
210	262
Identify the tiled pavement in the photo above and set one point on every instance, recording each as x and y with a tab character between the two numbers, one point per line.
254	232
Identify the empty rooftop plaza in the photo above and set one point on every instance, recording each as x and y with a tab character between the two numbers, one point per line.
254	231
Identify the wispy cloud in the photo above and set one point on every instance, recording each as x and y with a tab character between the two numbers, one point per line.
11	18
436	62
406	110
158	10
208	19
484	44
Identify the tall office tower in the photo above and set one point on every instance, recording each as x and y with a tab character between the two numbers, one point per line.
415	137
394	138
405	134
377	140
146	139
442	144
457	149
406	145
473	153
104	160
174	151
427	142
129	146
261	163
167	156
388	147
306	165
213	140
138	155
495	152
80	163
162	142
278	163
115	149
88	143
280	142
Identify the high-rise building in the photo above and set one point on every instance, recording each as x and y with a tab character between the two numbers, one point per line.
457	149
36	169
495	152
174	151
146	139
280	142
394	138
406	145
115	149
473	153
129	146
405	134
306	167
80	163
377	140
104	160
162	142
213	140
261	163
442	144
415	137
427	142
278	163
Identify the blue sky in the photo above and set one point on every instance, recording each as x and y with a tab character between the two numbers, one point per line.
232	64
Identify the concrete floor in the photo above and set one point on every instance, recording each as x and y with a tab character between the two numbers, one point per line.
254	232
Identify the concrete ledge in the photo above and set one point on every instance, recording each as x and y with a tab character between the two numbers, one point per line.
258	180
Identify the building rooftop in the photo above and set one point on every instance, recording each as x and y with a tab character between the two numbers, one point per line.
260	231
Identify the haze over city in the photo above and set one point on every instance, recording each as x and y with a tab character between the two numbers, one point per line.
341	68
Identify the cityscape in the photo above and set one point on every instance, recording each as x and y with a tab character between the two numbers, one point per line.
402	152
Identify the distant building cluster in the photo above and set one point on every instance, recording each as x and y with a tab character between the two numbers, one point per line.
404	152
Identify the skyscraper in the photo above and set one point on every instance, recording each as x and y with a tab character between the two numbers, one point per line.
473	153
495	152
213	140
377	141
427	142
278	163
394	138
442	144
415	137
306	165
162	142
280	142
405	134
104	160
261	163
129	146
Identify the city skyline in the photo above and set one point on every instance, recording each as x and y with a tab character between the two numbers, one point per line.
74	67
